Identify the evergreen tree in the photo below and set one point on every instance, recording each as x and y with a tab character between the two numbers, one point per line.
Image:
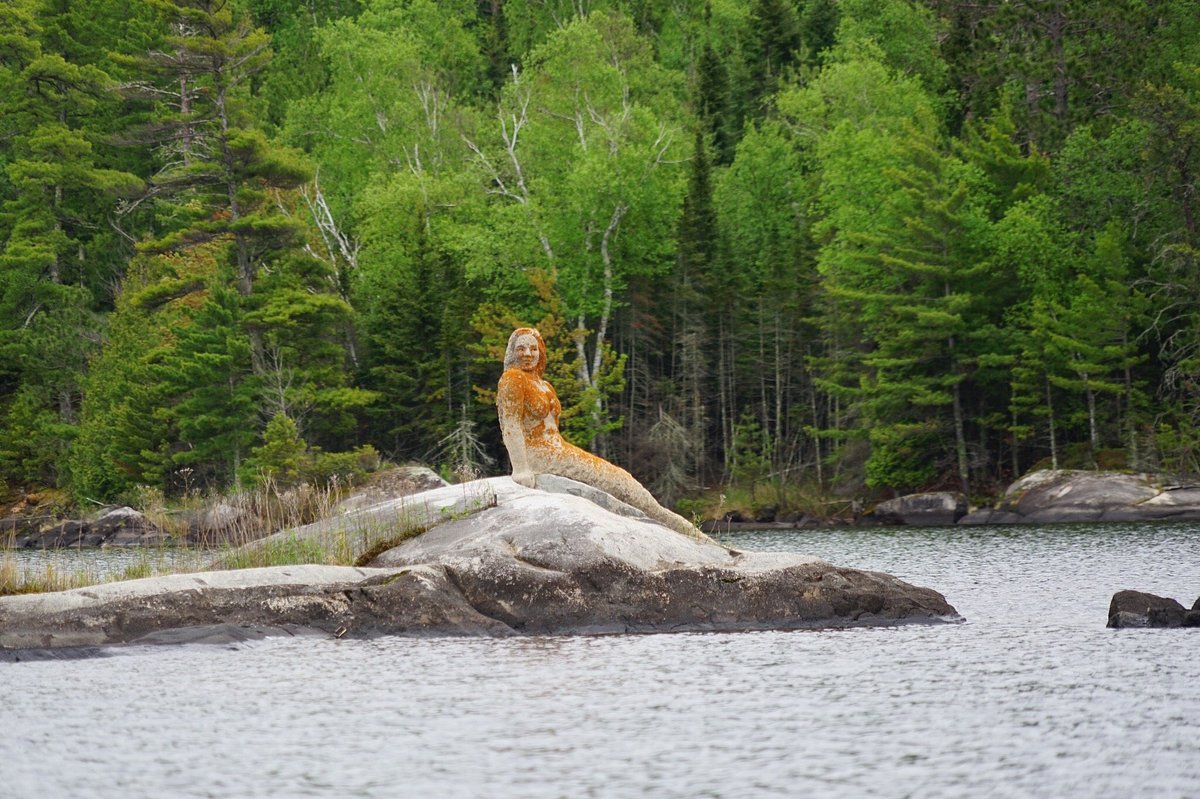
713	104
900	34
415	348
1098	347
226	171
57	198
1064	63
818	29
209	395
169	401
296	70
123	439
282	459
922	354
772	47
763	289
1013	174
1032	393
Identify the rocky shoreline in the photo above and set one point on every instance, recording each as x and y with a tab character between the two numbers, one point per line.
1052	496
1055	496
1041	497
560	559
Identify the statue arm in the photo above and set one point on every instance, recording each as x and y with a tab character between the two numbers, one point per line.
508	406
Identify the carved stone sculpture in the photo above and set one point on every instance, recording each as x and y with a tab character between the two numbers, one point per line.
529	410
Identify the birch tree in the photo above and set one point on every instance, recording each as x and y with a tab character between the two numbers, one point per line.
589	151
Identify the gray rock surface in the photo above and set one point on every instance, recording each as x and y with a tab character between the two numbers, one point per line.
219	522
389	484
559	564
1065	495
530	562
931	509
555	484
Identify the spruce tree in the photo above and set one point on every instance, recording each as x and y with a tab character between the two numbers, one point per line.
818	29
772	47
713	104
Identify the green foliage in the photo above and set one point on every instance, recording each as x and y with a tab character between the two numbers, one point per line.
284	460
1179	449
31	438
208	393
903	33
772	47
296	71
416	309
914	243
282	456
750	460
992	147
57	194
903	457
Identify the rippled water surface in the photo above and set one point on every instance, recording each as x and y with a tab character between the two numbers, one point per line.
1031	697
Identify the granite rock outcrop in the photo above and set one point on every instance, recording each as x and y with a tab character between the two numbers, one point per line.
528	561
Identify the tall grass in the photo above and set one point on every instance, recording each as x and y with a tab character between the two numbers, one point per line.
269	527
352	540
16	578
241	516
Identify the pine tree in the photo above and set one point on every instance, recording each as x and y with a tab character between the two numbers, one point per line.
296	70
1014	173
762	286
1076	354
818	29
170	401
283	458
224	171
917	311
209	394
414	349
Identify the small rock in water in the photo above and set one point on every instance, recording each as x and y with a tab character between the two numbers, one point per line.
1139	609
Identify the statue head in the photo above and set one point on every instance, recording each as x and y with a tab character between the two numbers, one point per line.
523	345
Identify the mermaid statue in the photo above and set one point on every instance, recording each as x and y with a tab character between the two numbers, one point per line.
529	408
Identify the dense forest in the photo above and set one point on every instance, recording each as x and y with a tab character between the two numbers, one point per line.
862	246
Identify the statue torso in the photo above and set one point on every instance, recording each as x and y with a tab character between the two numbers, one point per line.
535	402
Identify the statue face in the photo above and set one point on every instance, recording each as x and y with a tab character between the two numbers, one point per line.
522	342
527	352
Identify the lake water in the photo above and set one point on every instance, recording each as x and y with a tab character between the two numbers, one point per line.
1030	697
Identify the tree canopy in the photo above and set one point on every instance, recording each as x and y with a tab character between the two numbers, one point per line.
865	247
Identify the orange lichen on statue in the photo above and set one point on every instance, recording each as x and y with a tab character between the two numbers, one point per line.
529	408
